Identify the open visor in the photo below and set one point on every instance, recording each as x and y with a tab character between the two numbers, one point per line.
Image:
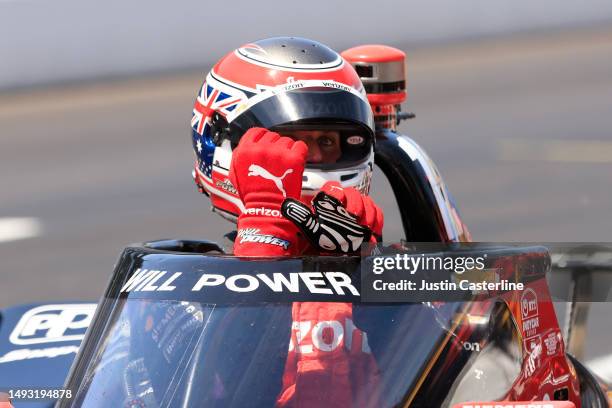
313	108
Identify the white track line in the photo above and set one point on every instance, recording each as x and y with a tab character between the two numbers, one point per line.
602	366
568	151
13	229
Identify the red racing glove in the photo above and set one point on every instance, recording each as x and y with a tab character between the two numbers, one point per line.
267	169
342	220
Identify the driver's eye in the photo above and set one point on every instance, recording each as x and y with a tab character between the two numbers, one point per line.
326	141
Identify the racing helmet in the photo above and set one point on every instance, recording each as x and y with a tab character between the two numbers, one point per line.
287	85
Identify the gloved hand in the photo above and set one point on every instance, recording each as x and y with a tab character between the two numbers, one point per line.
360	205
342	220
265	170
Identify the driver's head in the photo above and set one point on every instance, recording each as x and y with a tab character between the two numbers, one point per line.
297	87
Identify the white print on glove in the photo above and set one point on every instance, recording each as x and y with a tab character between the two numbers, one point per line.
331	227
266	212
255	170
253	235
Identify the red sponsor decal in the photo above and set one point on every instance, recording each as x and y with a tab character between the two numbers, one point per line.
533	346
552	342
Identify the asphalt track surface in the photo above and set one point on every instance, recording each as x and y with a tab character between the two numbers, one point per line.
520	128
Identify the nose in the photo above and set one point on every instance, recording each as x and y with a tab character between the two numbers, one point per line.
314	152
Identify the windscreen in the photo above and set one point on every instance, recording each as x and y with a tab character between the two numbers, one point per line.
193	330
168	353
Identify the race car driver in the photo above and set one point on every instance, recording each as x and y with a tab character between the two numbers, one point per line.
284	137
267	171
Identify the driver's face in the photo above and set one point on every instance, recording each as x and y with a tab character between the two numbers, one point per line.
323	146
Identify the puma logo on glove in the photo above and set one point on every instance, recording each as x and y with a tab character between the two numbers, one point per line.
255	170
330	227
266	169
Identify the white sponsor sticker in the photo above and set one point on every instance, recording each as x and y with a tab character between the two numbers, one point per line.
314	282
529	303
28	354
53	323
531	326
330	283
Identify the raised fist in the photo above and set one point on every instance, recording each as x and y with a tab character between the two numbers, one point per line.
267	168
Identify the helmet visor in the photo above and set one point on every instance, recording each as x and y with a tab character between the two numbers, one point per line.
336	123
331	145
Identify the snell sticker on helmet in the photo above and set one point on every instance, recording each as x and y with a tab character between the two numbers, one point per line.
355	140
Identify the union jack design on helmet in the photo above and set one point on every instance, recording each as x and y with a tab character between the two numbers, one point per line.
207	102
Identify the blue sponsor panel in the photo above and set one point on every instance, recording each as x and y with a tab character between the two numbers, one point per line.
38	343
